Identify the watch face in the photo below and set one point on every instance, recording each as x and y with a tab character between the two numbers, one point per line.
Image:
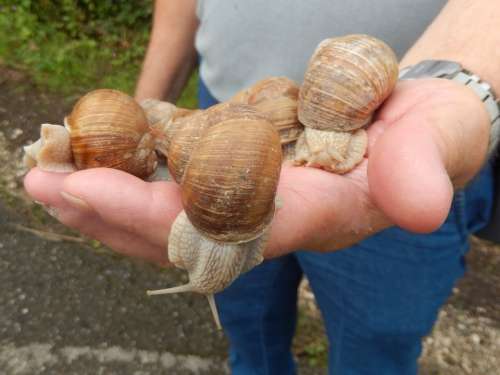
431	68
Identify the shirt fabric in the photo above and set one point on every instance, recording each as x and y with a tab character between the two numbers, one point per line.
284	33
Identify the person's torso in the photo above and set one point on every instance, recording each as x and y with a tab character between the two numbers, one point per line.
241	41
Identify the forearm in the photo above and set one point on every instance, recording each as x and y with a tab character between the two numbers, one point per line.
465	31
171	55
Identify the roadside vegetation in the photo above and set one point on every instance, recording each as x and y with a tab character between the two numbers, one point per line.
71	47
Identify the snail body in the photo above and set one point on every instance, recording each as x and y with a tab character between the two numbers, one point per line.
204	258
157	110
52	152
347	79
164	119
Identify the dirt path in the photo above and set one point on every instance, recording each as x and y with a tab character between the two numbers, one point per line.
70	306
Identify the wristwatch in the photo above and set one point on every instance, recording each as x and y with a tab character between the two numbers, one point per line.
455	72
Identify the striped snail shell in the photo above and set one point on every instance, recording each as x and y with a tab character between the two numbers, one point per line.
276	97
106	128
183	132
109	129
230	181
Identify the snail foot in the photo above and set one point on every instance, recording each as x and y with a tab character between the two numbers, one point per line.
52	152
334	151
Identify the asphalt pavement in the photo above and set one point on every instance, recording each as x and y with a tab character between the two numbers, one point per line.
66	308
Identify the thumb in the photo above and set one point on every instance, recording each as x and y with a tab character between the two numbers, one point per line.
408	178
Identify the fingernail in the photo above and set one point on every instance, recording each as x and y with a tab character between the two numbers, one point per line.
75	201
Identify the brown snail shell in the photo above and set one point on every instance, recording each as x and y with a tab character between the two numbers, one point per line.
346	81
109	129
184	132
276	97
230	182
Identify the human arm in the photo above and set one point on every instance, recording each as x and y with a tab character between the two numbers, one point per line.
171	56
465	31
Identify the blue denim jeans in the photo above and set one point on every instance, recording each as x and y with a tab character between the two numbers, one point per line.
378	298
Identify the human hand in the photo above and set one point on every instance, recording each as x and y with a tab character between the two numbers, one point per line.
428	138
131	216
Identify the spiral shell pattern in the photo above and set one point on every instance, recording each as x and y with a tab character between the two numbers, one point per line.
184	132
276	97
109	129
347	79
230	182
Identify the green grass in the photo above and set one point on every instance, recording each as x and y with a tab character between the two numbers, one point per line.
60	57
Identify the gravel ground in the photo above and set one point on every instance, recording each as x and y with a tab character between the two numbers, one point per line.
70	306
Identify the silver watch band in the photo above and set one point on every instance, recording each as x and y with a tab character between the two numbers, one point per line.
483	90
454	71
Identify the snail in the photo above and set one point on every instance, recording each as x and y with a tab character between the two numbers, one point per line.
106	128
184	131
228	194
346	80
275	97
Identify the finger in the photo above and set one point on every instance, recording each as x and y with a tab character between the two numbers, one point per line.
126	202
407	176
45	187
406	95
